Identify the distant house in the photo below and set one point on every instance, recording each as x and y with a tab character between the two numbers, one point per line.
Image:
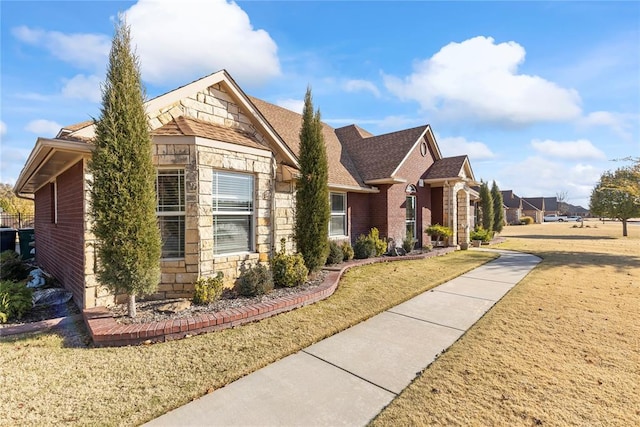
512	207
227	166
533	207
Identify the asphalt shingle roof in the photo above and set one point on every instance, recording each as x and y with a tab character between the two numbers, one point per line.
448	167
192	127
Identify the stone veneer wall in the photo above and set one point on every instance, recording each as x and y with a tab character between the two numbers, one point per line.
272	194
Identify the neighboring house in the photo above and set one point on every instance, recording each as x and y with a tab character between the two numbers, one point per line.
512	207
533	207
226	173
551	206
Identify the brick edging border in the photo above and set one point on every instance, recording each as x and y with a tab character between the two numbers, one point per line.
106	332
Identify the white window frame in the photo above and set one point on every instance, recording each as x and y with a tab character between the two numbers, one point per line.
54	201
336	213
411	194
181	212
249	213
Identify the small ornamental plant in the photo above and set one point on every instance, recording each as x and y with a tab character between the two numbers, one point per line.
336	256
440	232
208	289
288	270
347	251
256	280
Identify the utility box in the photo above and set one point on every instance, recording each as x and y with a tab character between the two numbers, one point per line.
7	239
27	242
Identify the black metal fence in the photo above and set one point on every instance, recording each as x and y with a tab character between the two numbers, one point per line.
16	220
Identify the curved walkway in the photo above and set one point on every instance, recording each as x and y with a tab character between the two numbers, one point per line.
348	378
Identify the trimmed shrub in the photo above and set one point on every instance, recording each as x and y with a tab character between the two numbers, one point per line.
364	248
15	300
481	234
288	270
256	280
526	220
408	243
336	256
347	251
12	267
208	289
438	231
380	244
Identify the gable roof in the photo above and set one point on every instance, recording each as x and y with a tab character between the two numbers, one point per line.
510	200
379	157
536	202
191	127
447	168
528	204
551	203
287	124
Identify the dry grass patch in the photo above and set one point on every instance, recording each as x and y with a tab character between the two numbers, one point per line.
562	348
48	381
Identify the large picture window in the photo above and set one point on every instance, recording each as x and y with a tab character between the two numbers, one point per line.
232	212
171	210
338	221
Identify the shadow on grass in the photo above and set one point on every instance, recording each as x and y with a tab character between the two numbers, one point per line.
552	259
547	237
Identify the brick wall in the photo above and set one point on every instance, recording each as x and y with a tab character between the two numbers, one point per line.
60	246
358	210
436	206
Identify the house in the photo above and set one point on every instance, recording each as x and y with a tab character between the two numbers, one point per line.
227	166
512	207
533	207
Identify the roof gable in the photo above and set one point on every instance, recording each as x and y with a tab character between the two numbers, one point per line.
450	168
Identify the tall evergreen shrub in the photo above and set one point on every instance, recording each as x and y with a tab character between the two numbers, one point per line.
486	207
123	191
498	208
312	196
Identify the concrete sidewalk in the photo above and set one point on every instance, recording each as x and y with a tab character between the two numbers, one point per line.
348	378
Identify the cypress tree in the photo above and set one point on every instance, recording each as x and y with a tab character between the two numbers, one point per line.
312	195
486	207
123	191
498	208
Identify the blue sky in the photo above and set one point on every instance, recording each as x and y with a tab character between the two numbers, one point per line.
542	96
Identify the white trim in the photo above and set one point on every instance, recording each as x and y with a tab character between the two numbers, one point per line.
352	188
390	180
343	214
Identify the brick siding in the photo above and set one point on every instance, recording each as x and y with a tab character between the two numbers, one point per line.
60	246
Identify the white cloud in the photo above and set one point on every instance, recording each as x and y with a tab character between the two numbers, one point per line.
43	127
291	104
620	124
456	146
81	50
83	87
386	124
178	41
478	79
3	128
541	177
579	149
11	161
360	86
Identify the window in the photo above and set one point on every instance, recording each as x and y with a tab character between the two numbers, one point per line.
53	187
171	211
232	212
338	221
410	221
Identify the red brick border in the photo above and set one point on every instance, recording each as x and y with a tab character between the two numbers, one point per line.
106	332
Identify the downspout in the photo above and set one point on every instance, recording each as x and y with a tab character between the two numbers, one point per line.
272	219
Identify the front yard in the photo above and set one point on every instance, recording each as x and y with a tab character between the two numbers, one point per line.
562	348
54	378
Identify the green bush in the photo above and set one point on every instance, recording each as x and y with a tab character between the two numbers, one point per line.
336	256
439	231
347	251
481	234
409	242
364	248
526	220
12	267
256	280
288	270
380	244
208	289
15	300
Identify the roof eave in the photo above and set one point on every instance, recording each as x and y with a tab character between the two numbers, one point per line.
389	180
43	151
